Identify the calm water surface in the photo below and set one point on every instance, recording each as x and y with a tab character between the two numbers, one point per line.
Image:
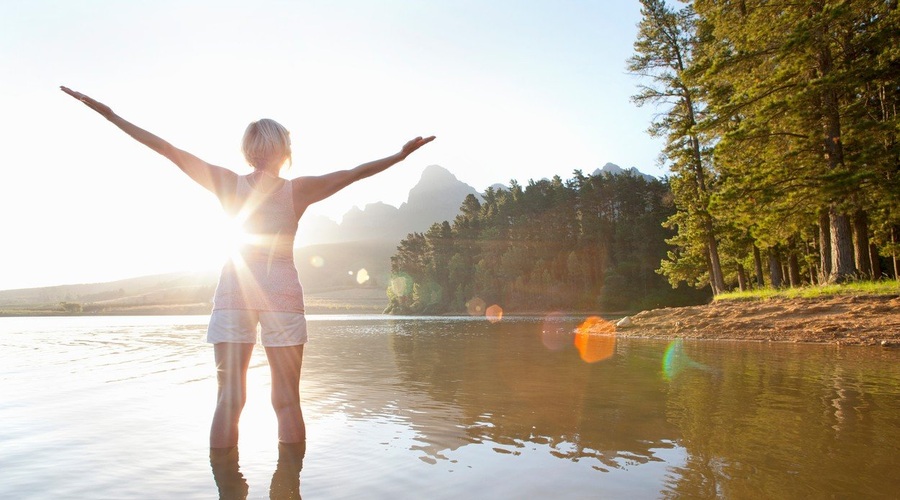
119	407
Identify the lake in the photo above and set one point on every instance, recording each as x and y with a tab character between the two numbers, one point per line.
119	407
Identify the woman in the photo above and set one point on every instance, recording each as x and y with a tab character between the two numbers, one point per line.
261	286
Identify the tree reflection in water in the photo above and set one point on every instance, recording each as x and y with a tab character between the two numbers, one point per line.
508	392
725	419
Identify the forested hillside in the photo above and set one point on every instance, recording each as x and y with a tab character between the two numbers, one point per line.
589	243
781	129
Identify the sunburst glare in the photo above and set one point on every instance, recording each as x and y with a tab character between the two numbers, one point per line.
236	238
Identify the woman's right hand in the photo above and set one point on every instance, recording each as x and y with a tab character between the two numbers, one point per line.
97	106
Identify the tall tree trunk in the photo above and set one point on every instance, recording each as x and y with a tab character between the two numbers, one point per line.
742	278
824	247
714	263
709	269
758	267
811	258
793	264
861	244
875	261
775	274
894	253
793	268
842	265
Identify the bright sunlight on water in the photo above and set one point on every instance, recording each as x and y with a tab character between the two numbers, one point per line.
119	407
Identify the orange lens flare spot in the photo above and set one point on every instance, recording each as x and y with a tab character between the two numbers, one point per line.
494	313
595	339
598	325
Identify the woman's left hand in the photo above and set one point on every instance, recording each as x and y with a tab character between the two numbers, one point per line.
414	144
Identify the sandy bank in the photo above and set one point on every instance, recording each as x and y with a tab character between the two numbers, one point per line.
849	320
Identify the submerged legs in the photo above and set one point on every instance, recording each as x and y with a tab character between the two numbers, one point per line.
232	362
285	363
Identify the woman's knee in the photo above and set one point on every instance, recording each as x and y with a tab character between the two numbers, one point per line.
231	401
285	401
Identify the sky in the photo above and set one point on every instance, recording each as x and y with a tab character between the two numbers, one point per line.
513	89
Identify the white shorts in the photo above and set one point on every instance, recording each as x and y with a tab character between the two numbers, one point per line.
240	326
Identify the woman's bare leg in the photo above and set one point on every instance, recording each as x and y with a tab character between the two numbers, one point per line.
285	363
232	362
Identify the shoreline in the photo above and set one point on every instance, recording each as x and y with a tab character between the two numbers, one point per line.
867	320
860	319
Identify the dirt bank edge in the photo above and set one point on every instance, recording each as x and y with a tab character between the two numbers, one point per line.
844	320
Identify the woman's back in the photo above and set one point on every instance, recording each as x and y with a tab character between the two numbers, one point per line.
262	275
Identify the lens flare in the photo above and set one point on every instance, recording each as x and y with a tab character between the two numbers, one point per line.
401	285
556	334
475	306
494	313
362	276
595	339
316	261
676	361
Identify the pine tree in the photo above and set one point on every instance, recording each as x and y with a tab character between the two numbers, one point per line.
663	56
792	87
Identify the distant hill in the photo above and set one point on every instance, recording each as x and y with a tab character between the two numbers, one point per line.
180	291
336	277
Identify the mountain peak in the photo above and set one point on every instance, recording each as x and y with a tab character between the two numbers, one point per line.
435	198
613	169
434	174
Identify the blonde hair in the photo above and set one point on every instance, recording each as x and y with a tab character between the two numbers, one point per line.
266	141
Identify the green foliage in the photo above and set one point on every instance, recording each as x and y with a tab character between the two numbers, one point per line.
664	56
782	136
589	243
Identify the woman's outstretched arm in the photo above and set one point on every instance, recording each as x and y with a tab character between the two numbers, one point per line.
216	179
308	190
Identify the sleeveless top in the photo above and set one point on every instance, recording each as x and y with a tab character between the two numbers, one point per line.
262	275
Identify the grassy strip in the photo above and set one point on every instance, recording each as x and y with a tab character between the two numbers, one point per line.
891	287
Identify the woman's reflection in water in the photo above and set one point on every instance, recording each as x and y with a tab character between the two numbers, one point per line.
227	473
285	481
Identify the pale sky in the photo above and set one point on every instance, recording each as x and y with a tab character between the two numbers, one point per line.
513	89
